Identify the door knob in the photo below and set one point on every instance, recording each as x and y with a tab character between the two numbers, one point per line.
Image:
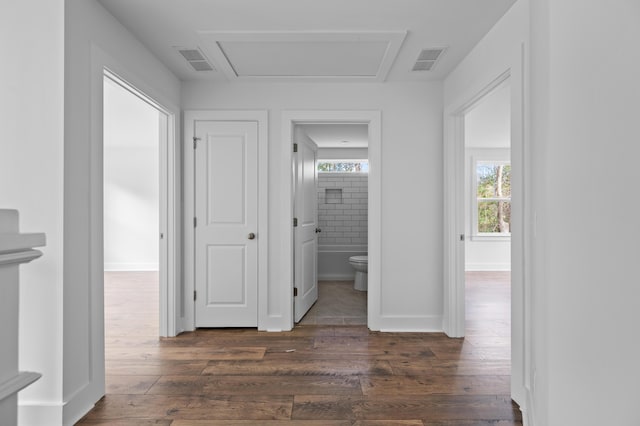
318	230
252	236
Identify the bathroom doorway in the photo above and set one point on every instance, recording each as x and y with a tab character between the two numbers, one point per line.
373	121
341	208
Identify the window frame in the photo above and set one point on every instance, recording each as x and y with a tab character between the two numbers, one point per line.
488	157
350	160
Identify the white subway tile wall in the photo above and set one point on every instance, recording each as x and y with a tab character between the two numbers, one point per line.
343	208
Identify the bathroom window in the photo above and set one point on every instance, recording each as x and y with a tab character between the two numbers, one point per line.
491	211
343	166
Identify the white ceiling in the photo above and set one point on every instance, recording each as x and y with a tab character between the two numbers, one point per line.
163	25
338	135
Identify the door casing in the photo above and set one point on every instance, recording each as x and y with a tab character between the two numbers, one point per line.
454	279
374	121
168	235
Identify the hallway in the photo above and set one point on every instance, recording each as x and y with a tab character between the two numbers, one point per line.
313	375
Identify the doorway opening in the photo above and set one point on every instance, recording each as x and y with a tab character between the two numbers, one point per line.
135	138
372	121
341	190
487	218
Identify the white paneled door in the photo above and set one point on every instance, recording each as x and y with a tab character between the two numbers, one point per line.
226	224
305	233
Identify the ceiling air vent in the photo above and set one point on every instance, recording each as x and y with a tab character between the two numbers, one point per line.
196	59
428	59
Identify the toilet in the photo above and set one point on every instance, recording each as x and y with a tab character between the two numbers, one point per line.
360	263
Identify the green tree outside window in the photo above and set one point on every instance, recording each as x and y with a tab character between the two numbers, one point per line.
494	198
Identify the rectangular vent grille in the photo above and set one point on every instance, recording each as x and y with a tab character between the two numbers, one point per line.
428	58
196	59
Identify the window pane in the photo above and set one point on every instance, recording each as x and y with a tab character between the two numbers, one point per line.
494	216
493	180
342	166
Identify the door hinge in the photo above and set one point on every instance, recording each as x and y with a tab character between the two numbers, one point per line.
295	222
195	222
194	295
195	142
295	147
295	291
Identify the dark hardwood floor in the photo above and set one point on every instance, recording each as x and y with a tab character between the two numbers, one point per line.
314	375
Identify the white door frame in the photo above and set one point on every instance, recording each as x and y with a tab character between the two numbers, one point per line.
190	118
374	120
454	172
454	211
170	310
168	209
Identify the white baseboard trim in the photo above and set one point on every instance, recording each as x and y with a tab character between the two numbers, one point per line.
144	267
82	401
487	267
528	418
409	323
39	413
336	277
35	413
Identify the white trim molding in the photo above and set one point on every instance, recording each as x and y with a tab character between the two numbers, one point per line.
168	210
454	260
213	41
488	267
374	121
454	209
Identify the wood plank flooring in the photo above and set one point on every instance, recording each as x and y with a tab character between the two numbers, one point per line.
325	375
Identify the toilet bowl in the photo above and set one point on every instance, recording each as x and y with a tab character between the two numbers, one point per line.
360	263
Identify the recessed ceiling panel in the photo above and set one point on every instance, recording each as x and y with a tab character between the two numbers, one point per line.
305	59
350	56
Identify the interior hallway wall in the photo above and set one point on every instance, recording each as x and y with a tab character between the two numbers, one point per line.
31	180
411	152
585	148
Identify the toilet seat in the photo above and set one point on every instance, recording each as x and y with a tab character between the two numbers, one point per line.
359	259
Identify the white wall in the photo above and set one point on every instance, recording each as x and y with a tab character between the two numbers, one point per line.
585	133
487	135
31	180
411	152
93	39
131	181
